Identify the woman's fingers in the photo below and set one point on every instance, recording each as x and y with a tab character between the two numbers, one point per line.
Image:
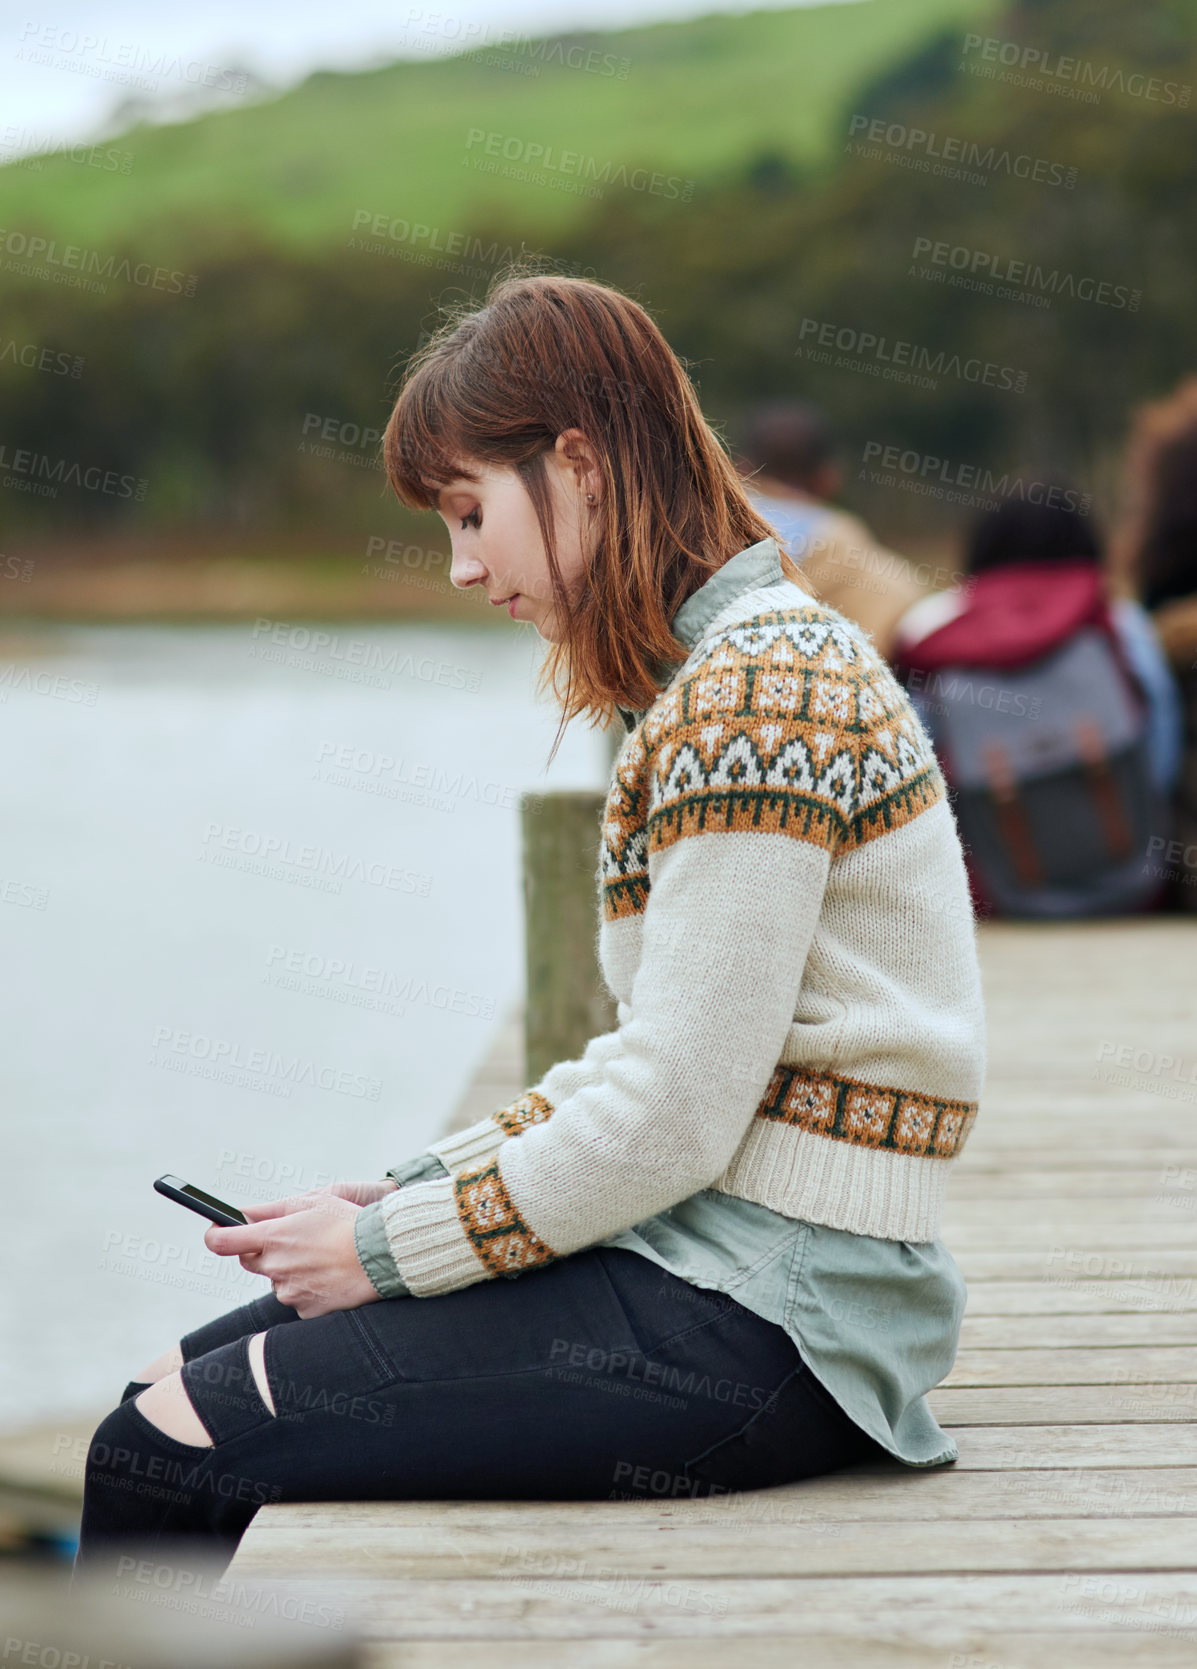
355	1193
281	1208
241	1241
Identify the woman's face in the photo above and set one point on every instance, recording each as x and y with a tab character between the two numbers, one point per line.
496	538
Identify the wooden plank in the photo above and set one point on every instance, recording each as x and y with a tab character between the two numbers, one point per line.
573	1608
1066	1332
953	1649
1072	1262
981	1157
1015	1405
1049	1188
1162	1364
1088	1236
998	1447
1162	1294
436	1549
1069	1219
878	1494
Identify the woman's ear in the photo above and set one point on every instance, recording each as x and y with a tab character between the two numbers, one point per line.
575	454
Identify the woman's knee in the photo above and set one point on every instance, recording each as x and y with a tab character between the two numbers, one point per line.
166	1405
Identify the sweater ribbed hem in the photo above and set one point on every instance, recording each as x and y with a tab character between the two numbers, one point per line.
891	1196
431	1250
466	1148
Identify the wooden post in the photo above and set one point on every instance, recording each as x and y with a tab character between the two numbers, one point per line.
567	1002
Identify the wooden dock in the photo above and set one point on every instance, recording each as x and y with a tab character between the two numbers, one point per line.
1066	1535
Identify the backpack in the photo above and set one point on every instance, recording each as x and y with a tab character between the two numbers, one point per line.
1040	729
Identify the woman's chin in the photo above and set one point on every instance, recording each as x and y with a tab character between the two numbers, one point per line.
546	626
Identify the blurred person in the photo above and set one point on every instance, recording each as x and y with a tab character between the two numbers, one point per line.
1157	554
1053	711
788	460
727	1209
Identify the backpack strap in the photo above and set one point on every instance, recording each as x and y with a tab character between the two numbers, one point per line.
1011	814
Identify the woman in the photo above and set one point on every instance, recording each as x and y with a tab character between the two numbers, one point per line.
718	1227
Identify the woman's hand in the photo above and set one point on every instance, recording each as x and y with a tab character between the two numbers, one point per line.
304	1245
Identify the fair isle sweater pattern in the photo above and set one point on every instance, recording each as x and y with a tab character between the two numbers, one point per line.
777	727
787	723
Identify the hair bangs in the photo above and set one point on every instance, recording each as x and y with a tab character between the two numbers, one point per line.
422	444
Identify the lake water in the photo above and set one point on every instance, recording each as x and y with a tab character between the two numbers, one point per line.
261	907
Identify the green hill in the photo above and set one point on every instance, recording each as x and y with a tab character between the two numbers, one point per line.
694	101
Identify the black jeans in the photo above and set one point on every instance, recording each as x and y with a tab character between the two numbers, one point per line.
599	1377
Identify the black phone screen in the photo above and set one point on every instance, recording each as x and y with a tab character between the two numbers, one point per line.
208	1199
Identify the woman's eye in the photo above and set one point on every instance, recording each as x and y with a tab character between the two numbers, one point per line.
474	519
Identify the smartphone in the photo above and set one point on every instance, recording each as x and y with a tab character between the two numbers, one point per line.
196	1200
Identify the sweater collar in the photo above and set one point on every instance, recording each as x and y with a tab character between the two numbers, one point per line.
747	570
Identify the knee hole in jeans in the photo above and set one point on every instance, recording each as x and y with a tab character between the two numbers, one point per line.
257	1362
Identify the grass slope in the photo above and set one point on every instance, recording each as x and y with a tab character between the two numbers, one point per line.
697	100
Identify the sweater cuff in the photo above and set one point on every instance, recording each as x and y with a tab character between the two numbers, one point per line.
374	1252
420	1169
426	1241
465	1149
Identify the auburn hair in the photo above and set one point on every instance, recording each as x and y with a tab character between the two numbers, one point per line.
497	383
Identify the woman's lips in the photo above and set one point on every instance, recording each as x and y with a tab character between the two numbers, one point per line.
496	602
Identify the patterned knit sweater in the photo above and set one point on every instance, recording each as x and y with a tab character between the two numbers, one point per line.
785	923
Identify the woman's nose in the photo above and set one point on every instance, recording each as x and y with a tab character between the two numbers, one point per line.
466	570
